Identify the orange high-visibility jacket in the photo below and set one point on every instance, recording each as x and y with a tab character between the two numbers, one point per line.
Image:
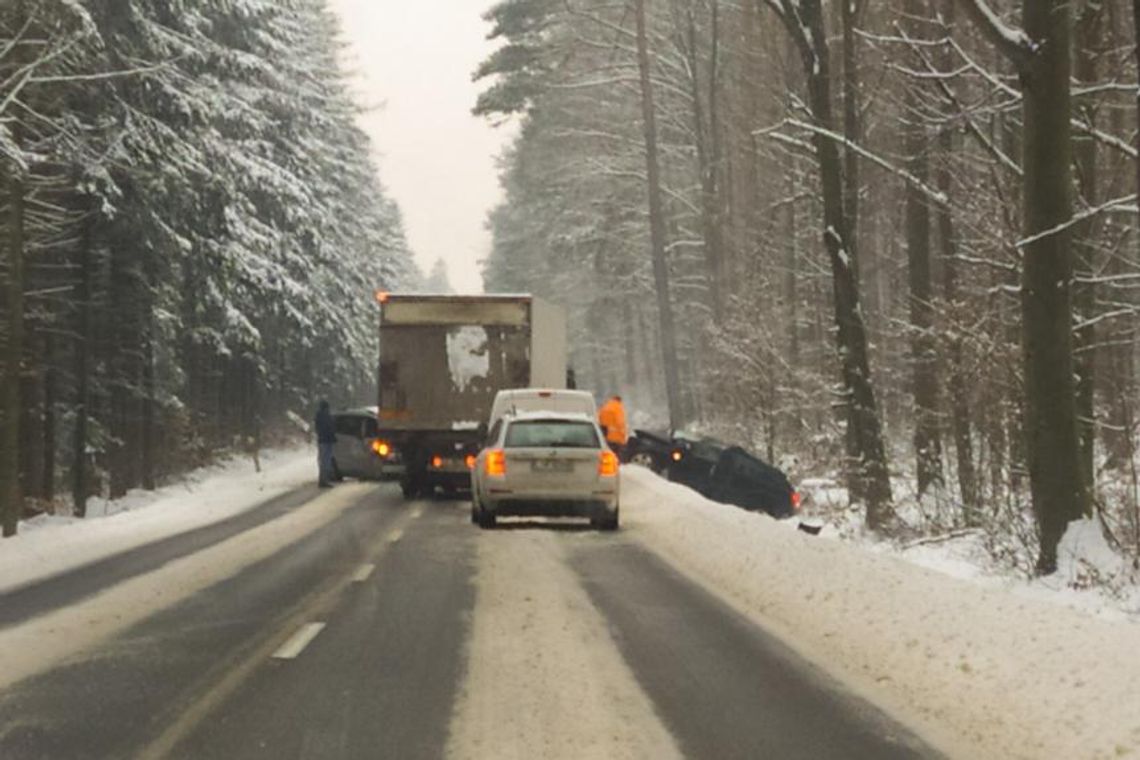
612	417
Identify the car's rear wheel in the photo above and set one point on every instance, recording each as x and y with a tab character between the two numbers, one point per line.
487	520
643	458
410	488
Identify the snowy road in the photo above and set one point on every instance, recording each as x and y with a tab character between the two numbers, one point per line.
356	625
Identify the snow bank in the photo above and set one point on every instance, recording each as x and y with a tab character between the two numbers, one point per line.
47	545
978	671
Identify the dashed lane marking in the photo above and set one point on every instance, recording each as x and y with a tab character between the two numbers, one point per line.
229	676
301	639
362	573
418	512
395	535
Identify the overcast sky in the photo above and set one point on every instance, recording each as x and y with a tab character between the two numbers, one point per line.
415	57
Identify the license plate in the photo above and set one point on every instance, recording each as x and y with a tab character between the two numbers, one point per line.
552	465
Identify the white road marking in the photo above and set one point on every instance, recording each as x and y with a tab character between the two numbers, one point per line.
40	643
362	573
301	639
418	512
395	535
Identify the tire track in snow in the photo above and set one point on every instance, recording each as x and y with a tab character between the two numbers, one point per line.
544	677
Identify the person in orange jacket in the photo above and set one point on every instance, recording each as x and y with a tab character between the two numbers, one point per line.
611	418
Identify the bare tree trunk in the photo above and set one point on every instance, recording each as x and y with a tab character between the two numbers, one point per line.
1117	379
657	227
147	423
1044	63
707	144
791	284
924	354
867	462
1136	53
1084	291
11	495
32	413
13	193
84	338
50	396
1055	475
850	10
957	382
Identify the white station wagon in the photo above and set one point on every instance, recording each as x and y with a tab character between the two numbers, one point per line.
546	464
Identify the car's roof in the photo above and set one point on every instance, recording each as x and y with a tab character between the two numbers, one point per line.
363	411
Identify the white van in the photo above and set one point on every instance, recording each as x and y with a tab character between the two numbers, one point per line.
523	400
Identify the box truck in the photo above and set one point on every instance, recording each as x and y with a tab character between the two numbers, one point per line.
442	360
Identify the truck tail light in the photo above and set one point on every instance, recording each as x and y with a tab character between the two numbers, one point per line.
470	461
382	448
437	461
496	462
607	464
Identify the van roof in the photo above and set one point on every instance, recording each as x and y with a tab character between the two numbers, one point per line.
533	416
514	393
516	401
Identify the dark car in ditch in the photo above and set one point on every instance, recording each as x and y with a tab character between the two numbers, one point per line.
730	475
649	449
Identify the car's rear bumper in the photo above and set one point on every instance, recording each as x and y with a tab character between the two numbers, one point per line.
596	506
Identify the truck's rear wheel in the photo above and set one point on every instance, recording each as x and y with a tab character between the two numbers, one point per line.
607	524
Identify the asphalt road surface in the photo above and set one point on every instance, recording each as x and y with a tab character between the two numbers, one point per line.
392	629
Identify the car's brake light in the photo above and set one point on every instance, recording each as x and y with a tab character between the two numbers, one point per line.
607	464
676	455
795	500
496	462
470	461
382	448
437	461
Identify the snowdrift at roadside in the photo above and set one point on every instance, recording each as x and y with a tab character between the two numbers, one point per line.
979	672
48	545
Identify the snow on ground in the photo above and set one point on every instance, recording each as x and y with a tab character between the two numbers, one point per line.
978	671
1091	577
47	545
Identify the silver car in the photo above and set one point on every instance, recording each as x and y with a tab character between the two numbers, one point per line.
547	465
358	451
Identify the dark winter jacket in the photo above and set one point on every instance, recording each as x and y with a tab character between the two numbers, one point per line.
326	431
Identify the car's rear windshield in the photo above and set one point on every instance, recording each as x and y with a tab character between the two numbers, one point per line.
558	433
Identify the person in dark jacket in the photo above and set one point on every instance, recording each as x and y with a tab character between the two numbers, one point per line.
326	437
